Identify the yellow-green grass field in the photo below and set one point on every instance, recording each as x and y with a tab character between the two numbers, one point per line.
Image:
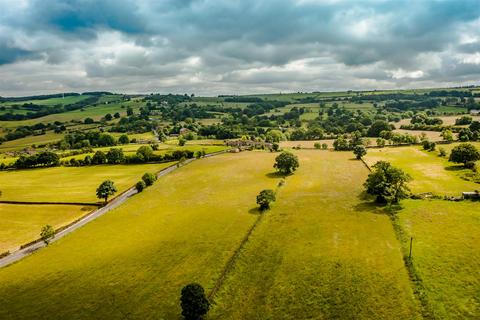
20	224
430	172
135	260
49	102
446	254
19	144
70	184
320	253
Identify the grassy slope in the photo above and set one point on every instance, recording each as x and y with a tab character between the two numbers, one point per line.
135	259
446	254
75	184
427	169
319	253
22	143
20	224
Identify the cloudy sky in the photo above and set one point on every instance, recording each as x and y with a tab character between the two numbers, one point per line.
212	47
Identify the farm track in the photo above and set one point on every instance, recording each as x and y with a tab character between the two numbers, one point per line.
114	203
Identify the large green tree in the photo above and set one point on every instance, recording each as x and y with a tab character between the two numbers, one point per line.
286	162
387	183
463	153
106	189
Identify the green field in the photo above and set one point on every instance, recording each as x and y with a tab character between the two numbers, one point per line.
320	253
19	144
49	102
446	254
20	224
135	259
70	184
430	172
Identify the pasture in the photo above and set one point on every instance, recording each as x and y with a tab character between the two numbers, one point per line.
70	184
320	253
135	259
27	142
446	254
430	172
20	224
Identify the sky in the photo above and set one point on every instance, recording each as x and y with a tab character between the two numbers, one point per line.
217	47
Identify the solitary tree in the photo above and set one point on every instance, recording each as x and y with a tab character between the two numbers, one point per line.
286	162
47	233
464	153
181	141
264	198
387	183
359	151
194	302
149	178
106	189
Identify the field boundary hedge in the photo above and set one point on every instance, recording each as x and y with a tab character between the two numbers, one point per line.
93	204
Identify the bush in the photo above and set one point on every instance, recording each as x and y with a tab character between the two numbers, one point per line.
149	178
140	186
442	152
317	145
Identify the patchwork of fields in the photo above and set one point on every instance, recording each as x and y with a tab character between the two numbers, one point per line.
322	252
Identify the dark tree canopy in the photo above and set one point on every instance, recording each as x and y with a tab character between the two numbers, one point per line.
149	178
194	302
106	189
464	153
359	151
286	162
264	198
387	183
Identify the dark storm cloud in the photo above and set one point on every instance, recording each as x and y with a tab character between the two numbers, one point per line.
213	46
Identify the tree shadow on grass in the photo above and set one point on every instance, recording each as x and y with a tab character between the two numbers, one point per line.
455	168
255	211
276	175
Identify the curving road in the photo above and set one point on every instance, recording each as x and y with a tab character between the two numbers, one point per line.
22	253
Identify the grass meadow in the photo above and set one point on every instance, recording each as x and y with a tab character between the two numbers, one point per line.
320	253
20	224
133	261
430	172
70	184
446	254
22	143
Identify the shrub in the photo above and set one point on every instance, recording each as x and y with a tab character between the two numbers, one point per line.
140	186
149	178
317	145
442	152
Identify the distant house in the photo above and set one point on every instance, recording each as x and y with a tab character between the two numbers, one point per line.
475	112
471	195
184	131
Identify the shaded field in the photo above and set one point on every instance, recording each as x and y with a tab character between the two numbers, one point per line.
320	253
430	172
135	259
446	254
70	184
20	224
